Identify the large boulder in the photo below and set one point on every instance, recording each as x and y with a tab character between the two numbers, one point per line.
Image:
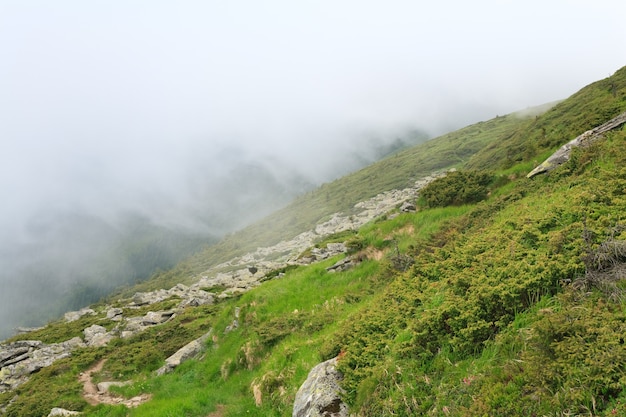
190	350
562	155
96	336
320	395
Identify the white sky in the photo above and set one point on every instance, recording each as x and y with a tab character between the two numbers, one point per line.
100	100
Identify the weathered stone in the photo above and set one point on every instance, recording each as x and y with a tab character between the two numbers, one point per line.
96	336
103	387
157	317
342	265
18	367
145	298
562	155
9	354
24	330
197	301
320	395
115	314
408	207
190	350
62	412
75	315
93	330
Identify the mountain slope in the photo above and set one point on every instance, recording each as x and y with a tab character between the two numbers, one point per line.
510	306
397	171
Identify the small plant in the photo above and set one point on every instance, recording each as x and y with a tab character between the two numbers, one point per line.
605	263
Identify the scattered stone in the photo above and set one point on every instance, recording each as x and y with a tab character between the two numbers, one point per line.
320	395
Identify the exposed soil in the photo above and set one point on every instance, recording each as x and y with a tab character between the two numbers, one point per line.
94	397
219	412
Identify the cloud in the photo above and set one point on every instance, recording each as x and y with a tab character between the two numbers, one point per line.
162	108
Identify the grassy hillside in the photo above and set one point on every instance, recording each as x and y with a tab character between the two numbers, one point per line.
511	306
586	109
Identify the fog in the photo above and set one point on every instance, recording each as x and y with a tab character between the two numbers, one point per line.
177	121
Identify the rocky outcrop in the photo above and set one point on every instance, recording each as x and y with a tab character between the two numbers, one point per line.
320	395
96	336
562	155
343	264
189	351
18	360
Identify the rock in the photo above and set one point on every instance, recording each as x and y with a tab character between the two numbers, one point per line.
61	412
96	336
197	301
20	359
342	265
23	330
562	155
157	317
103	387
146	298
185	353
115	314
93	330
408	207
320	395
12	354
75	315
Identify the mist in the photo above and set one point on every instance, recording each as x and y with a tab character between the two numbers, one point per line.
133	133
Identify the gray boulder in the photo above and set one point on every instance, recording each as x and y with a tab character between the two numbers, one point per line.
153	318
19	360
115	314
75	315
562	155
62	412
190	350
96	336
408	207
320	395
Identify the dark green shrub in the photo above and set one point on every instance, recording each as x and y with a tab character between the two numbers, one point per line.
457	188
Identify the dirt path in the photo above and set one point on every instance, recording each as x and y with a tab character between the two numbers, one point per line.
94	396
